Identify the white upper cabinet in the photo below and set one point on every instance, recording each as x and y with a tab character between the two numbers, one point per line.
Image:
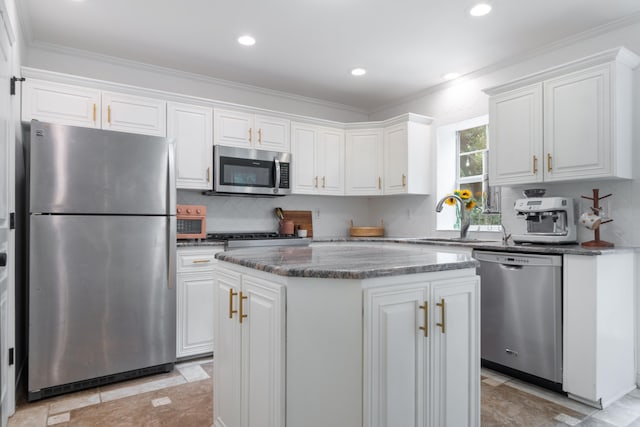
60	103
135	114
318	159
247	130
191	127
515	133
406	159
86	107
363	162
569	123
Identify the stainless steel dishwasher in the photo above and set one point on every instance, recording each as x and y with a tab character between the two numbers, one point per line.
521	313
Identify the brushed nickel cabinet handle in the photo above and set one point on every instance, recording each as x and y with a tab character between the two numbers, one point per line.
548	162
201	261
535	165
441	305
109	114
379	183
260	136
324	180
231	310
425	328
208	174
250	134
404	180
94	112
316	182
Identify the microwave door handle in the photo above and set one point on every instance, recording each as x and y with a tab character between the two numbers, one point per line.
277	168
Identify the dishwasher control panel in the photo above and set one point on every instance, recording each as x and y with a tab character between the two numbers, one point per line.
515	258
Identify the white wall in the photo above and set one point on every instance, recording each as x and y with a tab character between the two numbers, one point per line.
466	100
102	67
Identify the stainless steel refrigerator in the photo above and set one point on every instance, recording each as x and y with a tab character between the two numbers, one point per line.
101	257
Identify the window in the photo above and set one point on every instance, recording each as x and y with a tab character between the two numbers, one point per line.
462	163
473	173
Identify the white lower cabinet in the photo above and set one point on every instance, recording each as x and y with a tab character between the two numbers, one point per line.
422	354
194	311
398	351
249	351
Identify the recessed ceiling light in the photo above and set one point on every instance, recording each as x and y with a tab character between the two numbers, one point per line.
358	72
451	76
246	40
480	9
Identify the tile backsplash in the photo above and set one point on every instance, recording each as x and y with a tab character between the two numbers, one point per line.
331	214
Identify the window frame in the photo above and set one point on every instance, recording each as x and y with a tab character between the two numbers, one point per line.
448	151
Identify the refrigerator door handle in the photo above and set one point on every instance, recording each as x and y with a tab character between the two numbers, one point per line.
171	252
171	185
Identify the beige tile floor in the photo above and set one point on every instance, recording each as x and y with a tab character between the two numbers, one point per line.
183	397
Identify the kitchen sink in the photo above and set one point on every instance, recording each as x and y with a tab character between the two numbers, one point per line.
454	240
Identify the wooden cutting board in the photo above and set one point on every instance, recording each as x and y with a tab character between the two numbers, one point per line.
302	219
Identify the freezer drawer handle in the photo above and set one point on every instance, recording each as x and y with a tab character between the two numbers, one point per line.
441	305
511	352
425	328
3	259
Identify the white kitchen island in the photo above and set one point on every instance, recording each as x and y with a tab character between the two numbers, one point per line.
346	335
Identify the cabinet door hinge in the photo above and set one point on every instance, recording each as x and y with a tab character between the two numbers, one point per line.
11	356
12	85
12	221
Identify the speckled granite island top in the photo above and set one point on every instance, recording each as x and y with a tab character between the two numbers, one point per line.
344	261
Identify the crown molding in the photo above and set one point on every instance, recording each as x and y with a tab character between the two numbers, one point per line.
628	20
172	72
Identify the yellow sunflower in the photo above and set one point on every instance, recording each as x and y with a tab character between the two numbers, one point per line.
465	194
450	201
470	205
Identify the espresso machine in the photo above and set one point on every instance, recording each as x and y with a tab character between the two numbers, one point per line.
547	220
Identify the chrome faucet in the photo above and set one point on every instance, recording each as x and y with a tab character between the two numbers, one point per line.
505	236
465	220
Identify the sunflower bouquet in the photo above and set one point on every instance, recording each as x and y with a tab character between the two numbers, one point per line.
465	195
468	202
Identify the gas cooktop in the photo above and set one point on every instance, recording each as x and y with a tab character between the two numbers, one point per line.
260	238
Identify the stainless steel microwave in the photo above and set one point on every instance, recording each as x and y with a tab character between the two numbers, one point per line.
248	171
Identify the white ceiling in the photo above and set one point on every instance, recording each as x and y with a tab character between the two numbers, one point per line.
308	47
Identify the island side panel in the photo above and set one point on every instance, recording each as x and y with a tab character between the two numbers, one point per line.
324	352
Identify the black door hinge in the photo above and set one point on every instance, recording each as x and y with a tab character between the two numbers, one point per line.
12	221
12	87
11	356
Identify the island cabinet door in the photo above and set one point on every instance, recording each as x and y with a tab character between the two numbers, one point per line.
263	397
455	353
396	357
226	350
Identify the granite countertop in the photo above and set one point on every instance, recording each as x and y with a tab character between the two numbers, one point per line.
345	261
551	249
